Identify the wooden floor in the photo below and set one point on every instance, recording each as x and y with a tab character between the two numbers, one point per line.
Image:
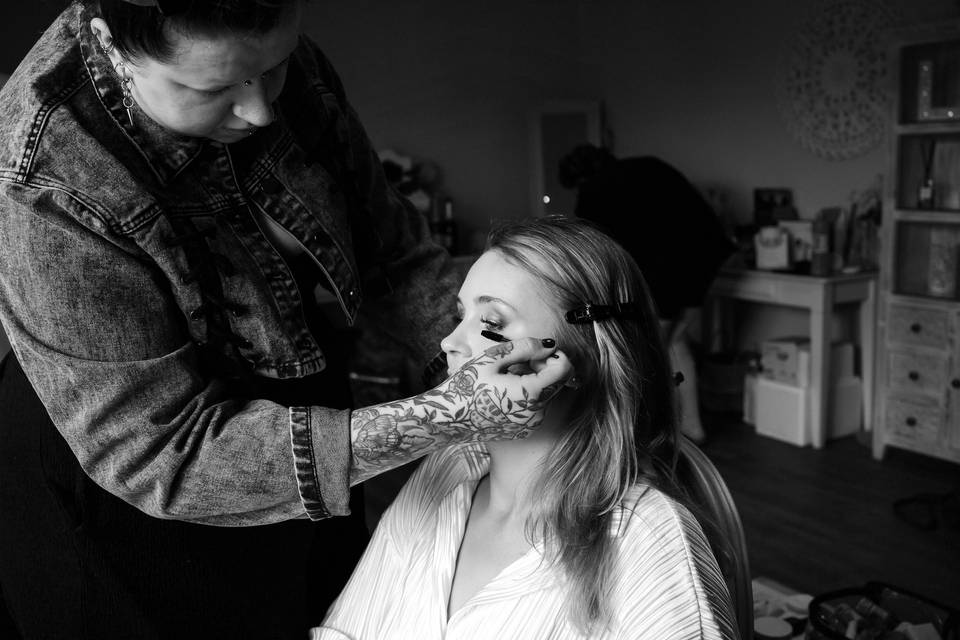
818	520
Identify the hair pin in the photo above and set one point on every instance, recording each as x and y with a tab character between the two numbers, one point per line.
596	312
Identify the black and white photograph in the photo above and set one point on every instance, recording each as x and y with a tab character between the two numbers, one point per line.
515	320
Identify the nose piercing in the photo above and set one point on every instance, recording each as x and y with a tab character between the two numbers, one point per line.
247	83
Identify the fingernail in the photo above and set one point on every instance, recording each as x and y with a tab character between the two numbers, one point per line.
548	342
496	337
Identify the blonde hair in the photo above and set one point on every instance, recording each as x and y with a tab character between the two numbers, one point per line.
624	428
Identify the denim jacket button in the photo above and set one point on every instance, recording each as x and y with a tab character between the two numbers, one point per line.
270	185
352	294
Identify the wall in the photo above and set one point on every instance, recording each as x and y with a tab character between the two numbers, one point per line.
693	82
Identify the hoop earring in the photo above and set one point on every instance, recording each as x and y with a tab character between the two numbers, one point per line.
125	83
107	48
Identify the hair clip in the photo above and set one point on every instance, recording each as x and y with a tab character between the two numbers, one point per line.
596	312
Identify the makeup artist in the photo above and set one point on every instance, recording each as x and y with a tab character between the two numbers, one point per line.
194	230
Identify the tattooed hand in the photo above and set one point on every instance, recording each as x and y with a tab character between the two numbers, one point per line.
480	401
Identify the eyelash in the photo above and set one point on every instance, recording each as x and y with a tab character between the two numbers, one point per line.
491	324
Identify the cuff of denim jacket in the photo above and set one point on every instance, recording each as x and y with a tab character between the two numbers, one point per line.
321	457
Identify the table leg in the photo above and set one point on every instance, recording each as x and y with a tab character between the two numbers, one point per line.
820	346
868	309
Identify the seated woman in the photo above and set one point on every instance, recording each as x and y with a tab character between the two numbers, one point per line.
576	530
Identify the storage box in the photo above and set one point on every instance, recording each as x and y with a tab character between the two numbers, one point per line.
845	415
782	410
772	248
788	360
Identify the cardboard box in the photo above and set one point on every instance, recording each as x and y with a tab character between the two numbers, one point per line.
782	411
788	360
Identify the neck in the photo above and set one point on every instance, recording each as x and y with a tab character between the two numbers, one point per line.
515	469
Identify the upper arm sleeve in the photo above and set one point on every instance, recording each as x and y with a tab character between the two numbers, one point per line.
105	345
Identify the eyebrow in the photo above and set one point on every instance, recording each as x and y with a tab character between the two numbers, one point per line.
491	299
217	87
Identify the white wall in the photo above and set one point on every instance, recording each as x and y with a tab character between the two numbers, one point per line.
693	82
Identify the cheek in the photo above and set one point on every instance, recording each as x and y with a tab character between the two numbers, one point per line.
185	116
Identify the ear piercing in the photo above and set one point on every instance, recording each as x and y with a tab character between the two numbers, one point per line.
125	82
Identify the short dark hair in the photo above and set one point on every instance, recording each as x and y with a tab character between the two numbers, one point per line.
582	163
144	32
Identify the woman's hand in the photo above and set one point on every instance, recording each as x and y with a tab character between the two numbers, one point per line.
501	393
482	400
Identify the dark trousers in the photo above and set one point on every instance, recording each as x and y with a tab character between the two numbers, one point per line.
78	563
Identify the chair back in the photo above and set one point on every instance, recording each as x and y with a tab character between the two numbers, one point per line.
699	477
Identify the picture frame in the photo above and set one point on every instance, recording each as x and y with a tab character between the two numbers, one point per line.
929	108
772	204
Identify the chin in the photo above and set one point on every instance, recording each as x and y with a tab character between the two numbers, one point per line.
227	136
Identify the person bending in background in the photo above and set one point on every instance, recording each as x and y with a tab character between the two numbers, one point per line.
578	530
671	231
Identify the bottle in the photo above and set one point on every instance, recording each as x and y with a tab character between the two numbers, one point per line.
821	260
925	194
447	230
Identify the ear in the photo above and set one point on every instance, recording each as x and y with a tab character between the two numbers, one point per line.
104	37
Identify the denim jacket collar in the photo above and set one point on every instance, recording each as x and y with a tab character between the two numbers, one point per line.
167	153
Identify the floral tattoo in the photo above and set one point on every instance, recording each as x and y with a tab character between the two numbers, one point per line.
461	409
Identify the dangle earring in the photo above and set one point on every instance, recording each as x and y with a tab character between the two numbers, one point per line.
125	82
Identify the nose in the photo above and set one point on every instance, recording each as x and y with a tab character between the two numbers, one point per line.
456	345
254	105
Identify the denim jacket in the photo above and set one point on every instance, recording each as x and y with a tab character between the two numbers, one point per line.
131	257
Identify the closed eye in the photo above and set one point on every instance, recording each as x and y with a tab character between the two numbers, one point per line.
491	324
217	92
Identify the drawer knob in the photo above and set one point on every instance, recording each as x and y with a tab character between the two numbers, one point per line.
955	383
911	422
915	327
913	375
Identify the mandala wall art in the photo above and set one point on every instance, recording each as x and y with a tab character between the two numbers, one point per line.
831	83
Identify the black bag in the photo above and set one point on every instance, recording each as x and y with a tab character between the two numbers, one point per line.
873	612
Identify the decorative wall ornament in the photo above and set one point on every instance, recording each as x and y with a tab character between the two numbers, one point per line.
831	85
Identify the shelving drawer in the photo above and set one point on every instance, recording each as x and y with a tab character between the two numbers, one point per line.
915	419
918	372
924	326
